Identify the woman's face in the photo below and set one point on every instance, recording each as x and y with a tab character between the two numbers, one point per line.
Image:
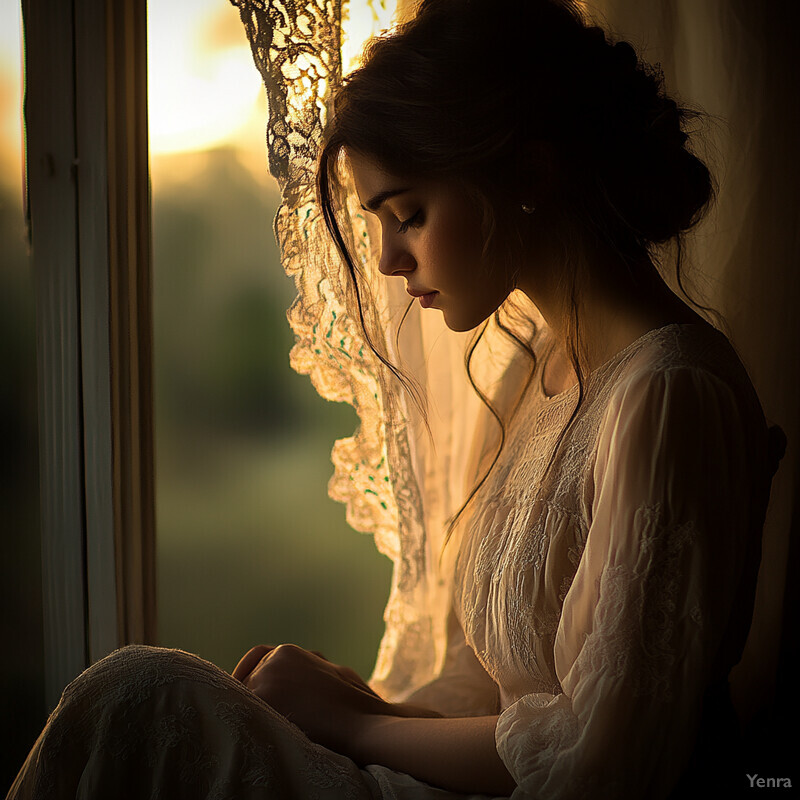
431	236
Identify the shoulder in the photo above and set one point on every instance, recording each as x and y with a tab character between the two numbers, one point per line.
684	383
682	431
683	362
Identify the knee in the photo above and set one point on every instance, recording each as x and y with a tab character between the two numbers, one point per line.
131	660
136	657
132	672
150	658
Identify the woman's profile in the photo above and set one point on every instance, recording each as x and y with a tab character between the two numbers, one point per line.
596	574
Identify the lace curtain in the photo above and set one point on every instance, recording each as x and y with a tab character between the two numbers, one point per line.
399	484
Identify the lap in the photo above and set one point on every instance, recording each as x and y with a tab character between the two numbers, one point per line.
156	723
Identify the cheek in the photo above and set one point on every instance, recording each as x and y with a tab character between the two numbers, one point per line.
459	244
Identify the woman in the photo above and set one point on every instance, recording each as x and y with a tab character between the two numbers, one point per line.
603	564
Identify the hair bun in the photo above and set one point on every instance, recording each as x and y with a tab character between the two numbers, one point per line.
625	55
666	123
633	135
457	92
661	193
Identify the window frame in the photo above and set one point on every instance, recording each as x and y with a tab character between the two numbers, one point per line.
88	210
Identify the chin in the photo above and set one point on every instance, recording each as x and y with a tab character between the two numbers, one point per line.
469	319
463	324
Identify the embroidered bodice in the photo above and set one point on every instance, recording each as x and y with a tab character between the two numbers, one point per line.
610	579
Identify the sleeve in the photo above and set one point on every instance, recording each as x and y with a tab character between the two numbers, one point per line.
653	596
463	688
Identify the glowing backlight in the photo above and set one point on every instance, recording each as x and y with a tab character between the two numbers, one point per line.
202	84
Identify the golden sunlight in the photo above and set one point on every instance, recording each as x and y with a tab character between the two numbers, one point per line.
10	94
203	88
202	84
365	18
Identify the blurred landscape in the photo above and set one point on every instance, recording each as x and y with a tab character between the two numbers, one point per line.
250	548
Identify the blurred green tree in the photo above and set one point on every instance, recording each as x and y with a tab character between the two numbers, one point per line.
250	548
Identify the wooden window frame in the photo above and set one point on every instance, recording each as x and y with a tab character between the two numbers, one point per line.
88	211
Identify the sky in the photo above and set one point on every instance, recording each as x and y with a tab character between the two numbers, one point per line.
10	93
203	88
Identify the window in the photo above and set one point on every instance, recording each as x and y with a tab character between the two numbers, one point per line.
87	171
22	707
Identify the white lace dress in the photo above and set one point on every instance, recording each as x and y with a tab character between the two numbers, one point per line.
594	607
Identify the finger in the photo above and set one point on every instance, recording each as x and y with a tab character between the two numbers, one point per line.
367	689
250	661
347	674
354	679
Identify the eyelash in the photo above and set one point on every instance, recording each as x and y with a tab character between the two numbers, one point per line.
410	222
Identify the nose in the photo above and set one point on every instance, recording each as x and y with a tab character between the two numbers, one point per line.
395	258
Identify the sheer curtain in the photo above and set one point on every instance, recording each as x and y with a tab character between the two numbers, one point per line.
730	57
736	60
398	483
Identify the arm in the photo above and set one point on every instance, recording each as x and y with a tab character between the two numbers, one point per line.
458	754
644	624
463	688
335	708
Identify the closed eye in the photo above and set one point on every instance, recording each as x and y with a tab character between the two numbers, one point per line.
412	221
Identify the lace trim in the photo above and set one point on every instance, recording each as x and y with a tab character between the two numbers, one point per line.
296	47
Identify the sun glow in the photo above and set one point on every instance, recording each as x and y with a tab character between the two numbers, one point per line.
364	18
203	88
10	95
202	85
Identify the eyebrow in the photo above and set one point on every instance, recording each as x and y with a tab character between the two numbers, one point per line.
374	203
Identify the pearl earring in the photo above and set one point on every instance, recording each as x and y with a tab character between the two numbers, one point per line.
528	209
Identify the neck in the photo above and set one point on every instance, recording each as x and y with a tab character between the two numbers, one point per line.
615	303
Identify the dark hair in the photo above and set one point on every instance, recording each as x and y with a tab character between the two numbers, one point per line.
523	101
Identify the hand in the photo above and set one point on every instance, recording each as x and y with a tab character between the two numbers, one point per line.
252	657
329	703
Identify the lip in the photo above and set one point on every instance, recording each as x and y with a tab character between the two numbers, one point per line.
425	298
426	301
